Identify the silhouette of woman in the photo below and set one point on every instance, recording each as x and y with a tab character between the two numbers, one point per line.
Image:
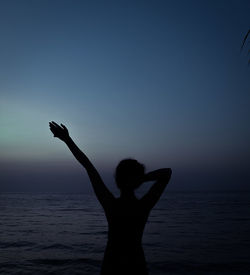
126	215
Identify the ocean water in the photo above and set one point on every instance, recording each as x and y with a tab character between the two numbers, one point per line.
187	233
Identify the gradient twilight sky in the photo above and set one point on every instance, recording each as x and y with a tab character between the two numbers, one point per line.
161	81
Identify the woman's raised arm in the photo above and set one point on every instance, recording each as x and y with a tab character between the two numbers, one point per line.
103	194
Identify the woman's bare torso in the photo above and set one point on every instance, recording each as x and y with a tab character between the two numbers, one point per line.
124	252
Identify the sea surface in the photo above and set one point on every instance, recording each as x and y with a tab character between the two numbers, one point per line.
187	233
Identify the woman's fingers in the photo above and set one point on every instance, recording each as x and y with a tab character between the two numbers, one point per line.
64	127
52	125
55	124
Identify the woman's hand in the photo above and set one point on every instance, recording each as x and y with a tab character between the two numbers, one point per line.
60	132
160	174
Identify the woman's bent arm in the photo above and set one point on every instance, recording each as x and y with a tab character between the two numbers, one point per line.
162	177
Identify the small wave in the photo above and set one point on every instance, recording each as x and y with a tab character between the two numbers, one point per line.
15	244
157	221
104	232
201	268
73	209
65	261
57	246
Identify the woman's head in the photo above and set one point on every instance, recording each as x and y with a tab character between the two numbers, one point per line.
129	174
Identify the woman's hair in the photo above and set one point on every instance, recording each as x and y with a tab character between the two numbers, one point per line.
128	174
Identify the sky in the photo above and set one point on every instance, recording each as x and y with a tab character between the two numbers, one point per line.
163	82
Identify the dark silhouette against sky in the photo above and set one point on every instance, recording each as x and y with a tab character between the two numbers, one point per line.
160	81
244	43
126	215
